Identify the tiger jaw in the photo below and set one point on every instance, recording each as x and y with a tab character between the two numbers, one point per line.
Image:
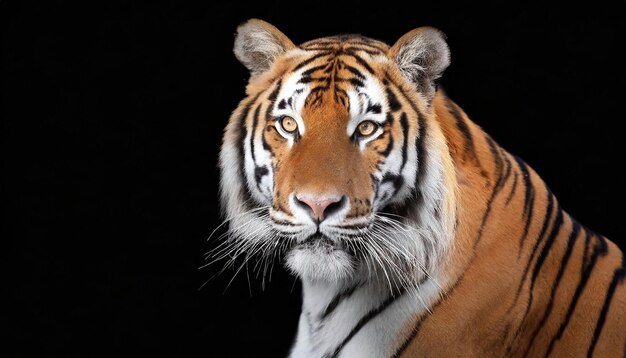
320	258
323	251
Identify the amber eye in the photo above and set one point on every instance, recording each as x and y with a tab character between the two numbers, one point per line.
366	128
289	124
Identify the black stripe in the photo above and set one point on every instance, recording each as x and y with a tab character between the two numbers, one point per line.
389	119
362	48
556	225
469	146
308	72
374	108
318	48
418	325
338	299
556	228
394	105
354	70
396	180
266	145
310	59
507	162
285	223
244	192
272	98
364	41
259	173
255	121
618	278
308	79
331	65
410	338
341	95
513	188
318	89
529	199
375	185
496	188
282	104
320	42
586	258
355	82
403	209
385	152
421	153
416	194
599	249
557	281
361	62
274	94
364	320
544	228
404	95
370	46
404	123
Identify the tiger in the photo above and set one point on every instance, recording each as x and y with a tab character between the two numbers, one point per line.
412	231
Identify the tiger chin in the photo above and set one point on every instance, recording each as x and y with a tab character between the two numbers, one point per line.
413	232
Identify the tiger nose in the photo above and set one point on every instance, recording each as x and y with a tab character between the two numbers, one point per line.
318	209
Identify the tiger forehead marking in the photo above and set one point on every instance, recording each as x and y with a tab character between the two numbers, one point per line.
338	62
333	70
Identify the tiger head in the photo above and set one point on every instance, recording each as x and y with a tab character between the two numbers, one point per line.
333	161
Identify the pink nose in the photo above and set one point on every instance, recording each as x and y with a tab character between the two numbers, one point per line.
318	206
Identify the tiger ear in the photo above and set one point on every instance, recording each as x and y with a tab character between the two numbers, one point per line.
422	55
258	44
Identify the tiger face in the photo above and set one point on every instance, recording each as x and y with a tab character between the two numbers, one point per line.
328	154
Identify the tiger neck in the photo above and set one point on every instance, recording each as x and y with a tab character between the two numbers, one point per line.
357	319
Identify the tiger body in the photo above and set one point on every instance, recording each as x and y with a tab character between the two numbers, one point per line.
431	239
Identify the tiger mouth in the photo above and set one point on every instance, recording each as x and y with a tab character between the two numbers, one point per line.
318	241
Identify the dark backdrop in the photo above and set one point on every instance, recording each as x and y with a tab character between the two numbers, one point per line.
111	121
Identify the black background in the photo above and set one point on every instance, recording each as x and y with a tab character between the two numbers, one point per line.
112	117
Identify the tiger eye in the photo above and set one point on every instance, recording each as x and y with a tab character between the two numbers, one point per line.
289	124
366	128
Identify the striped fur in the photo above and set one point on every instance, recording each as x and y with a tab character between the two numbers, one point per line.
441	243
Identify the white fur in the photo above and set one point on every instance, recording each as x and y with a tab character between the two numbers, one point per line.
378	338
320	264
371	92
297	92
